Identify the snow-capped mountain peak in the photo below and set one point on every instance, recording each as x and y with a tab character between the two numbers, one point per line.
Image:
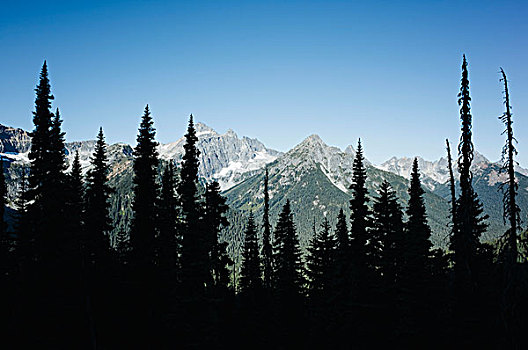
225	158
203	130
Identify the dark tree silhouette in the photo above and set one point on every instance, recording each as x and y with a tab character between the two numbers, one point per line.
510	187
74	205
320	262
512	279
76	192
143	228
267	250
97	219
250	279
45	195
214	220
288	265
342	258
470	221
194	256
417	232
388	234
361	249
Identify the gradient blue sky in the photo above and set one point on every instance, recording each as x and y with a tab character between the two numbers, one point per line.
386	71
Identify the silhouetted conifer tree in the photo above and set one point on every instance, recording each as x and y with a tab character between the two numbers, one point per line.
250	280
417	233
76	191
267	250
470	221
320	262
342	258
168	215
513	279
97	198
143	228
512	211
194	256
214	220
388	233
46	178
74	215
361	249
288	265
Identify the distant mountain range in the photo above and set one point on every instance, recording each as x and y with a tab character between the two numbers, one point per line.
313	175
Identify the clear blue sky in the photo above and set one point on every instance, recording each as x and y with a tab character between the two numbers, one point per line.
387	71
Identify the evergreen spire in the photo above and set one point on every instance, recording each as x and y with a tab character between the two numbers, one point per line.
97	198
194	275
214	220
143	228
46	177
510	187
342	260
388	233
320	262
267	251
470	221
361	249
75	208
288	266
418	232
250	279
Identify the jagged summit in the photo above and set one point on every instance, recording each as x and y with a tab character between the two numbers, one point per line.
225	158
350	150
204	129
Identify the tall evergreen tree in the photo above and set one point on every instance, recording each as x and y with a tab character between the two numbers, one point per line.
361	248
388	233
288	265
97	216
320	262
512	279
510	187
250	280
76	189
470	221
417	233
267	250
194	273
143	228
168	216
342	258
46	178
214	220
341	232
74	205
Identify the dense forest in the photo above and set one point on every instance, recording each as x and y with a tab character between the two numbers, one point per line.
371	279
